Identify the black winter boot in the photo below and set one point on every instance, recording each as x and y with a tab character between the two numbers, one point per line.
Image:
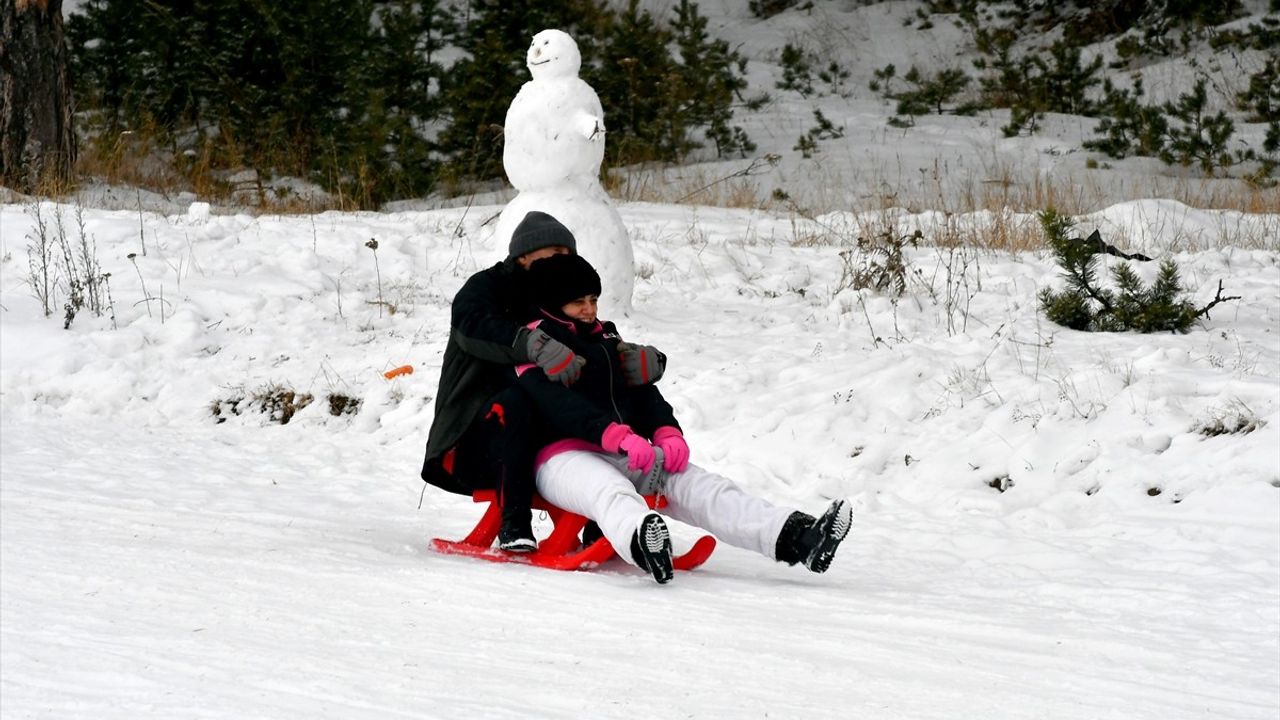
516	534
789	549
651	548
591	532
830	530
813	541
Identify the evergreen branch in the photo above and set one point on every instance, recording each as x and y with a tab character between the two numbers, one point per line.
1083	279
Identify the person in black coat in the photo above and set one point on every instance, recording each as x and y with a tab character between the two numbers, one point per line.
605	443
480	436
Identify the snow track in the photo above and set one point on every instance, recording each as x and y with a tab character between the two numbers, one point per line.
156	573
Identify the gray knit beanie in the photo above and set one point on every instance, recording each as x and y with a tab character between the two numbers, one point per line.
539	230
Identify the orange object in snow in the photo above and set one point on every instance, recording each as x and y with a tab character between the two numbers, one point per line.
402	370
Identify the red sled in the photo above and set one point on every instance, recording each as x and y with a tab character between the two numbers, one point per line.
561	549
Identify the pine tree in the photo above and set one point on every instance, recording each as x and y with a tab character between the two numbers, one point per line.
401	80
1262	97
1073	307
633	81
1202	137
276	80
1067	81
931	93
1034	84
710	78
104	40
1004	78
1128	127
1085	305
797	70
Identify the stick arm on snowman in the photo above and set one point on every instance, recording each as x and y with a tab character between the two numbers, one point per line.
591	126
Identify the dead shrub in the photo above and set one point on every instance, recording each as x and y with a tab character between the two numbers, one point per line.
278	403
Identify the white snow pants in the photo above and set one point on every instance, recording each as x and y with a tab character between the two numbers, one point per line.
596	486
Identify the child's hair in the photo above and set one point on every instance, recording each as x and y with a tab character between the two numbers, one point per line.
555	281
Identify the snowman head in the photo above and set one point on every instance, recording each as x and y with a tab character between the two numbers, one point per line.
553	54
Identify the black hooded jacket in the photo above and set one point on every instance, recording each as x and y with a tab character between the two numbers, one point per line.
487	336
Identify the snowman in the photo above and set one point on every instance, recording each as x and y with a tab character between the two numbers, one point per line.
553	146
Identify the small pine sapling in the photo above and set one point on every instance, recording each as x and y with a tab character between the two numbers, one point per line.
1202	137
1085	305
1262	100
765	9
1129	127
1262	97
797	70
883	82
1151	309
807	145
835	76
931	93
714	73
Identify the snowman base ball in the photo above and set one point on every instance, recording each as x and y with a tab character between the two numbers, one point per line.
596	226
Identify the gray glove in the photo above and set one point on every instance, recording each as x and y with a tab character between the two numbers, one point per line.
559	362
641	364
653	482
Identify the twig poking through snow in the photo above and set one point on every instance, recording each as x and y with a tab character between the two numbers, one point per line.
1217	298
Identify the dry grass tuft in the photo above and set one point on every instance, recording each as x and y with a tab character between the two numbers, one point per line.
141	158
993	209
131	157
690	186
997	187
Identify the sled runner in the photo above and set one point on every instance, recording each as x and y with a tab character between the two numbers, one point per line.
560	550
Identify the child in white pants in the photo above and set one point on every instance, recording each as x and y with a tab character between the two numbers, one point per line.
607	442
597	486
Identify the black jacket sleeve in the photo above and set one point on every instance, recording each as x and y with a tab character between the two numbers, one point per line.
482	324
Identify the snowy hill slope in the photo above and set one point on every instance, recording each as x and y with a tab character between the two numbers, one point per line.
156	563
945	161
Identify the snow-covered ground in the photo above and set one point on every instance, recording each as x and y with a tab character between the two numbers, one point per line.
1050	524
156	563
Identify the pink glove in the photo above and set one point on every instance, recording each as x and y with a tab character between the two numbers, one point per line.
621	439
675	450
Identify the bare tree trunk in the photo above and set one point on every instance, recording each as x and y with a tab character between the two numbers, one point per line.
37	142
